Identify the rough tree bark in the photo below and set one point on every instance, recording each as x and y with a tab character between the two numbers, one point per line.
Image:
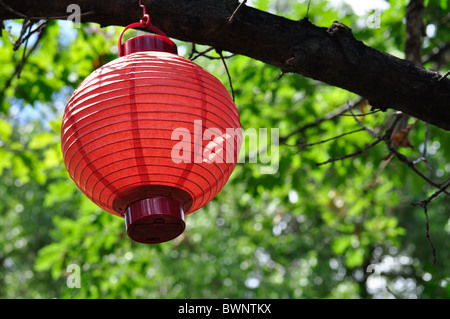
330	55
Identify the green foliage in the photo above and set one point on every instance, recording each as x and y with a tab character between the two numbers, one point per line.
306	231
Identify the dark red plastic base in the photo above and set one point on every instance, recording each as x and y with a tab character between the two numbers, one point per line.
154	220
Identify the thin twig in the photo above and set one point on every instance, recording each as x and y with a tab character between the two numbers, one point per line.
427	223
228	73
202	53
423	158
406	160
442	189
352	154
391	127
280	75
424	205
327	140
193	51
209	57
425	141
25	38
396	296
361	114
444	76
329	116
362	125
378	140
231	19
388	139
22	62
307	10
18	67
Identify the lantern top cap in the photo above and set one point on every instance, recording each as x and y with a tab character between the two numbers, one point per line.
148	42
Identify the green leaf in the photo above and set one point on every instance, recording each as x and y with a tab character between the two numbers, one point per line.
48	257
5	159
5	130
354	257
42	140
59	192
342	243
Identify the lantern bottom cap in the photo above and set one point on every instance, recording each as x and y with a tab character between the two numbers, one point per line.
154	220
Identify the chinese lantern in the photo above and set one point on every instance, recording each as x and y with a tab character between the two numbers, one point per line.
150	137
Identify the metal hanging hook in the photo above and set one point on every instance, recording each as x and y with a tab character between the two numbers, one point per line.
145	17
142	6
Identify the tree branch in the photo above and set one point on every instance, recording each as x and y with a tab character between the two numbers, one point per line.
331	55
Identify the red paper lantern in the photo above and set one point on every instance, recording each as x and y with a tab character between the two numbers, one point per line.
151	136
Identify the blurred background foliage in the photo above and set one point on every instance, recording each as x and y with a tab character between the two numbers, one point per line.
341	230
